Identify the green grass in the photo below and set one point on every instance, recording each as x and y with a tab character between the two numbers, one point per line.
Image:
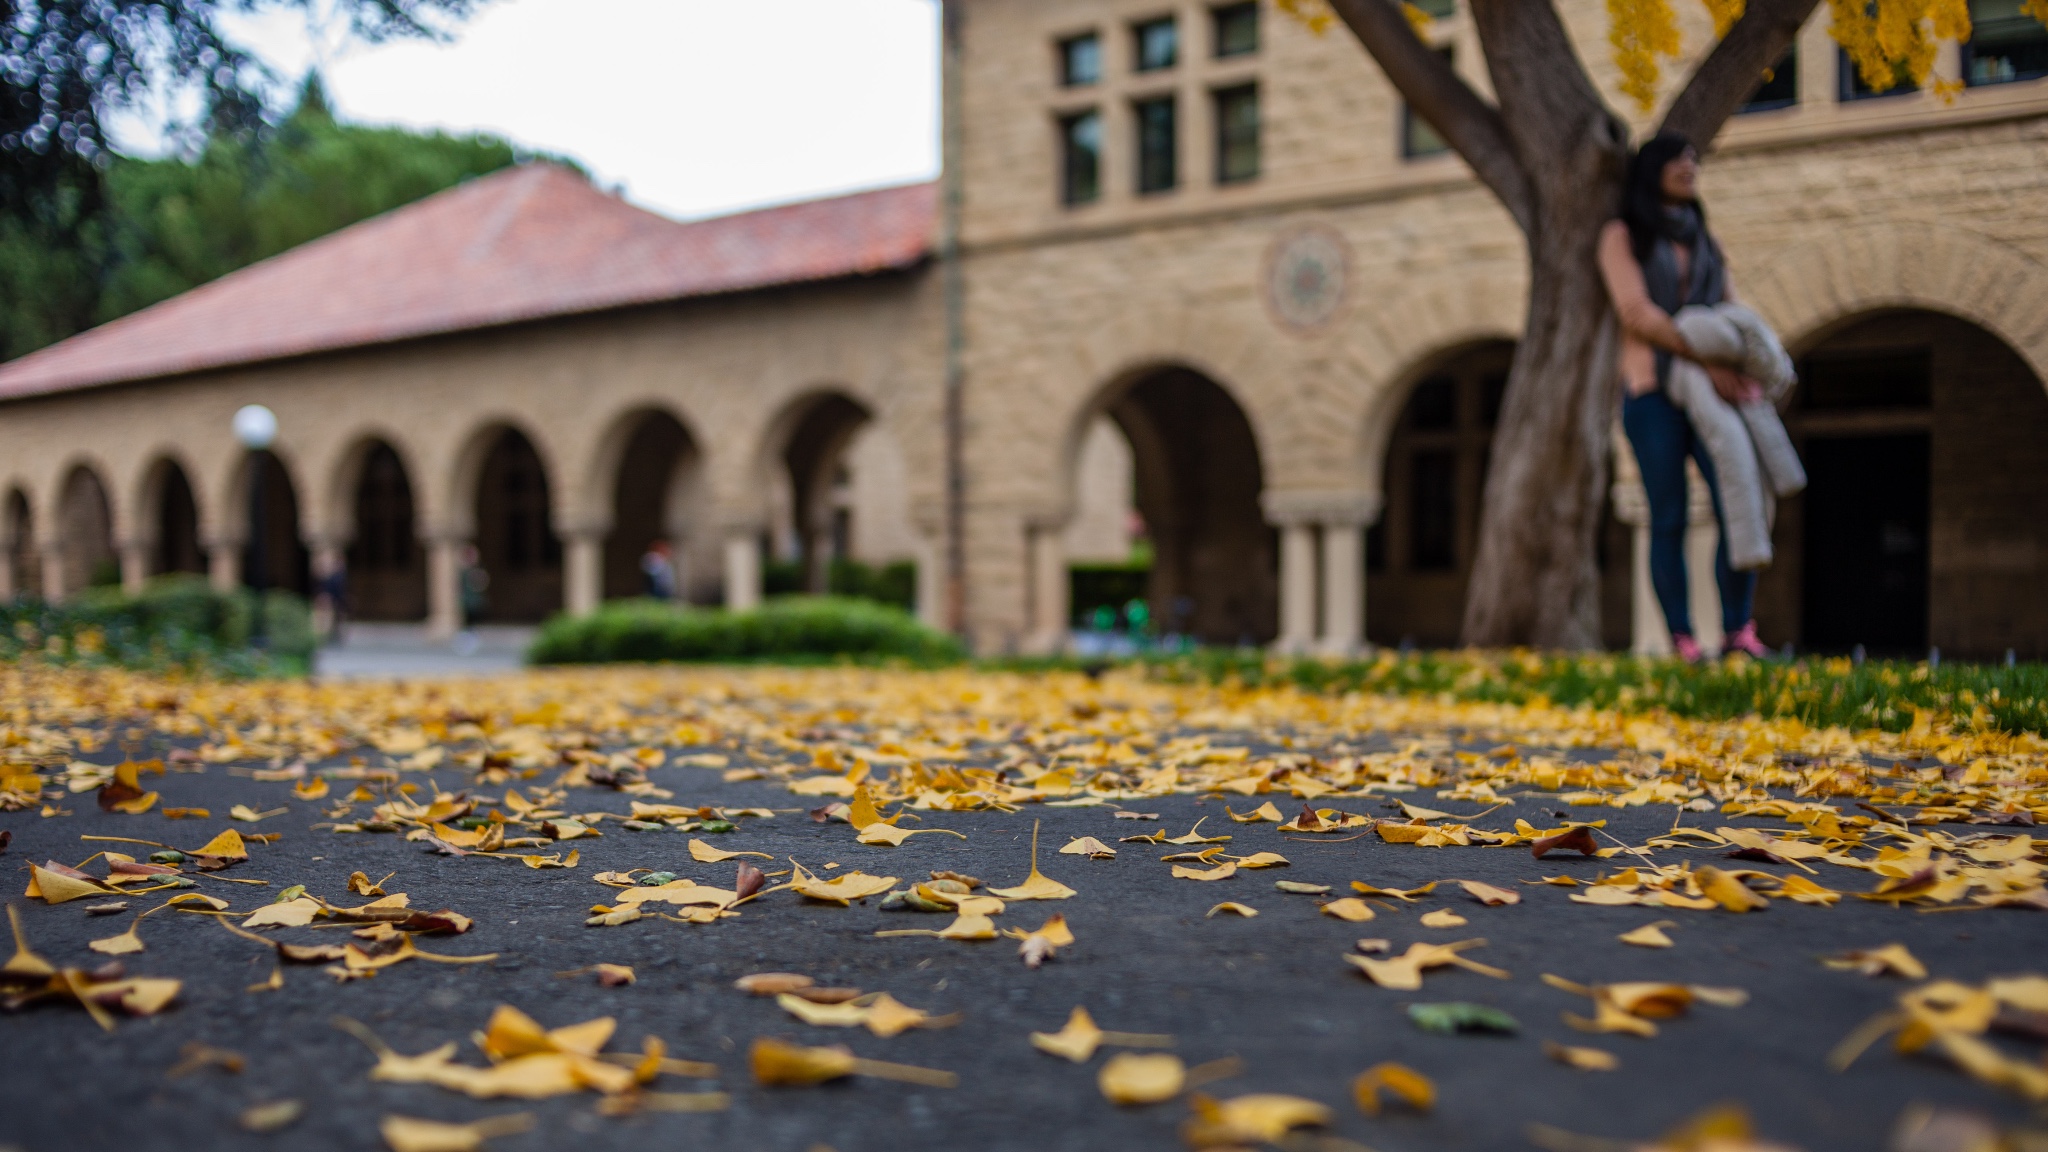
177	624
799	628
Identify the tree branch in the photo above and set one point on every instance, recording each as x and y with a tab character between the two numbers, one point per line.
1731	71
1548	104
1465	120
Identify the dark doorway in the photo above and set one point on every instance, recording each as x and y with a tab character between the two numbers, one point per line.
22	558
177	525
815	456
1867	543
273	556
515	535
86	525
1215	570
387	568
641	512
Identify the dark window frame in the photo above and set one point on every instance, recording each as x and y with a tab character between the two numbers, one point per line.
1064	59
1220	101
1139	31
1411	120
1784	72
2034	31
1222	17
1158	172
1071	189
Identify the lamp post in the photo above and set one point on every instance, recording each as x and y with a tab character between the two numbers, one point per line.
256	429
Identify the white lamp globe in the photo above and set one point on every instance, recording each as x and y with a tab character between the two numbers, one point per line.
255	427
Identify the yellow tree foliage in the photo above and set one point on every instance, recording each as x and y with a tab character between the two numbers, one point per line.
1891	42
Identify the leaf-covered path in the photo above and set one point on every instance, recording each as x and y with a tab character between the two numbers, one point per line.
452	793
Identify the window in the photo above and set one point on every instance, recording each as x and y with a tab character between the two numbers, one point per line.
1779	87
1438	9
1418	137
1237	29
1158	44
1158	144
1081	157
1237	134
1080	60
2006	44
1851	86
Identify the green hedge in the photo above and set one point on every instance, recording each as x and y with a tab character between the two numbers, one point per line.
793	627
178	623
1816	690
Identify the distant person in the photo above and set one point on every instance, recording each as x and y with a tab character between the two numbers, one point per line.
1659	260
658	571
474	585
331	601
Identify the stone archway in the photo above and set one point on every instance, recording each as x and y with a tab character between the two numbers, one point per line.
274	554
1925	438
387	567
24	571
174	544
655	488
1197	479
85	534
813	458
517	549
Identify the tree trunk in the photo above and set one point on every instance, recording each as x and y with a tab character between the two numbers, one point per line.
1534	580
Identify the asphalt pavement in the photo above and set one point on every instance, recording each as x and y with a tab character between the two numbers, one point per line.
1272	991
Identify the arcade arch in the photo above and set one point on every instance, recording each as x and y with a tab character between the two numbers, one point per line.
386	566
23	573
811	527
85	535
273	553
170	512
655	495
517	551
1925	439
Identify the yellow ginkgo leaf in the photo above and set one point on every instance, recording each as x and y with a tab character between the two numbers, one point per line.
1261	1118
58	888
290	914
839	890
314	789
1727	891
1350	908
226	846
1584	1059
704	853
1649	935
1220	872
881	833
1892	958
24	964
1036	886
1265	812
1443	918
407	1134
1411	1086
1232	906
1263	860
1488	894
1076	1041
127	943
1088	846
1130	1078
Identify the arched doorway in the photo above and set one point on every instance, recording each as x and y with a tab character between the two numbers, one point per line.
387	568
273	555
1926	447
25	576
652	493
1419	554
819	525
177	523
1196	478
515	536
85	524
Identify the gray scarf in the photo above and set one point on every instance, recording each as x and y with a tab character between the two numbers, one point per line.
1708	279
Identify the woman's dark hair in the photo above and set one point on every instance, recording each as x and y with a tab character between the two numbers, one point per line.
1642	196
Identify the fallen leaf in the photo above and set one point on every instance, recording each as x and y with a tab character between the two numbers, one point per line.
1583	1059
249	815
1036	886
772	983
1088	846
275	1116
1350	908
1727	891
706	854
881	833
194	1057
314	789
1607	895
60	887
1220	872
125	944
1044	943
1411	1086
226	846
1076	1041
406	1134
1457	1016
1404	972
1579	839
1373	945
291	914
1443	918
1264	812
1263	1118
1263	860
1488	894
1409	895
1232	906
1131	1078
1892	958
1300	888
1649	935
840	890
775	1062
275	981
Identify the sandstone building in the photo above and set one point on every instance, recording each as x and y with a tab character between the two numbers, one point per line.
1212	279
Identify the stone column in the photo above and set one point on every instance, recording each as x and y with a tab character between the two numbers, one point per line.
56	588
134	566
582	571
1343	588
931	585
742	567
444	586
224	564
8	590
1297	588
1051	600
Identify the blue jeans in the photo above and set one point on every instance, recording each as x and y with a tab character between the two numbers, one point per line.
1662	438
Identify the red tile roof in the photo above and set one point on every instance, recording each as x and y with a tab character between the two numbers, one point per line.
523	244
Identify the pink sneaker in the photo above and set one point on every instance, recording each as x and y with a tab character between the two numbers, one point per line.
1745	641
1688	649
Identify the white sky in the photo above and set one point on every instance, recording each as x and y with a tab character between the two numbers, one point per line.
695	106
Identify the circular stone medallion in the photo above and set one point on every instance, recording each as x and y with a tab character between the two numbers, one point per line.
1306	276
